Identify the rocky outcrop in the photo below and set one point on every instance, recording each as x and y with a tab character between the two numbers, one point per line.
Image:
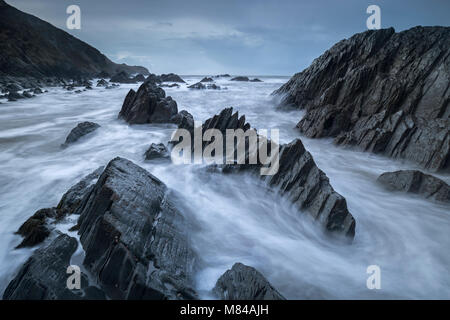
385	92
171	77
82	129
157	151
240	78
44	275
136	241
184	120
139	78
298	178
198	86
417	182
102	83
256	80
242	282
31	47
207	79
39	226
148	105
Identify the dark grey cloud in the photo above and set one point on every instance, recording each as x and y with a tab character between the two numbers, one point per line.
255	37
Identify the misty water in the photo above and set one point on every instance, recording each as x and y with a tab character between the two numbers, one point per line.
239	219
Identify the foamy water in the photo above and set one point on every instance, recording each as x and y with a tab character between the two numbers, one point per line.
240	220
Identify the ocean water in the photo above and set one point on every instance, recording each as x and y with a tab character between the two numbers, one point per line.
239	219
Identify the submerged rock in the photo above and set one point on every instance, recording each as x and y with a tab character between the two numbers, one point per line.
82	129
35	230
156	151
245	283
102	83
136	241
256	80
383	91
413	181
207	79
44	275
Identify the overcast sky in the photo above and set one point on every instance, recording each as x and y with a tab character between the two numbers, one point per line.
254	37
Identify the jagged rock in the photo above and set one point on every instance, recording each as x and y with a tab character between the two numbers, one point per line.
240	78
148	105
298	178
136	241
122	77
198	86
156	151
102	83
139	78
44	277
35	230
171	77
39	226
72	199
184	120
207	79
153	78
82	129
245	283
213	87
417	182
385	92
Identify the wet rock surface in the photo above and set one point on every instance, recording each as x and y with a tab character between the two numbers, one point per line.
81	130
136	241
44	276
413	181
157	151
242	282
385	92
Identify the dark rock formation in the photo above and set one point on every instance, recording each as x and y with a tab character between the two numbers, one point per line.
207	79
184	120
14	96
198	86
414	181
157	151
385	92
298	178
139	78
103	74
240	78
225	75
213	87
135	239
82	129
44	276
35	230
122	77
245	283
40	225
148	105
30	47
256	80
102	83
171	77
153	78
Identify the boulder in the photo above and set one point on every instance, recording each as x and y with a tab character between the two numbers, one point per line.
135	240
240	78
171	77
44	275
184	120
414	181
157	151
148	105
382	91
37	91
242	282
13	96
82	129
36	229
